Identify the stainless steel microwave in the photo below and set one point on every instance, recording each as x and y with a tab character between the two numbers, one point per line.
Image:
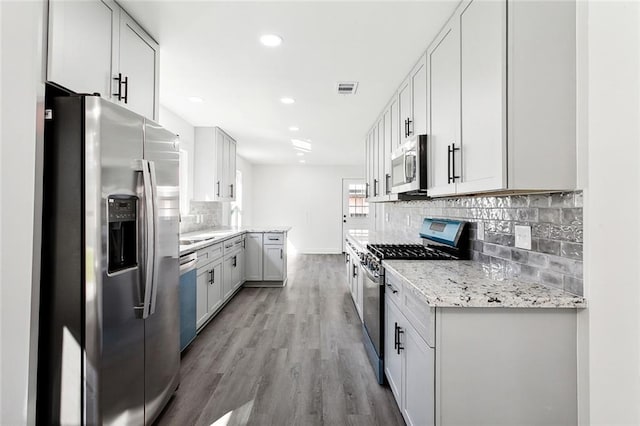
409	166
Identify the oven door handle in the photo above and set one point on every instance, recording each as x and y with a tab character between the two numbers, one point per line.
369	275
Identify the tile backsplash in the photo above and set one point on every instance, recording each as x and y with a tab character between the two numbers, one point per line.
202	215
555	258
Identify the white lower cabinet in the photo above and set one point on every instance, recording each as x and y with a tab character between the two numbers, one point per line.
214	291
489	366
208	291
418	378
228	284
409	367
266	258
273	263
392	359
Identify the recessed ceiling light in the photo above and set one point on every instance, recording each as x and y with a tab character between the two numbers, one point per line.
271	40
196	99
305	146
293	129
300	154
302	161
287	100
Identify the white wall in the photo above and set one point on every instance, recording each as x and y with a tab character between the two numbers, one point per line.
612	213
178	125
21	94
308	198
246	168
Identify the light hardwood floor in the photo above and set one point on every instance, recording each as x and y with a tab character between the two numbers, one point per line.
288	356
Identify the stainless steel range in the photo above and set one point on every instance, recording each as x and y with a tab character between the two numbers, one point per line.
443	239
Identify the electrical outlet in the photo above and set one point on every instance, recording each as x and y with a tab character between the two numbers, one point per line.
480	233
523	237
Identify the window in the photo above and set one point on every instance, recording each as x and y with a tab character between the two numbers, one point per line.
358	204
236	206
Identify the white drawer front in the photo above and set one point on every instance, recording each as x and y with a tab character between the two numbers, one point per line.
274	238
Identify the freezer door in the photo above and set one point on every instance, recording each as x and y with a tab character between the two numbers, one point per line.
162	327
115	136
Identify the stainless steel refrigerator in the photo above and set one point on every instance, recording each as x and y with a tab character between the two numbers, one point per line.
109	350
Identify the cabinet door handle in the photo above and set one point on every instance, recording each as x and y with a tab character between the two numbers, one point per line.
346	258
231	190
280	253
119	80
218	191
366	190
387	184
235	261
395	336
452	163
393	290
211	276
409	131
399	347
375	187
406	127
355	270
126	89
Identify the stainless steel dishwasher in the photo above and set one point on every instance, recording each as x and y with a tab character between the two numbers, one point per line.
187	299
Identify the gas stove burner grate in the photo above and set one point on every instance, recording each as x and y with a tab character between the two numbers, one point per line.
408	252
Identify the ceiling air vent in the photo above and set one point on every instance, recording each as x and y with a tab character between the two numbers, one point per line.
347	87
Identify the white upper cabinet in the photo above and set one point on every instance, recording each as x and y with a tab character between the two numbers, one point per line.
483	93
215	165
81	45
444	96
502	99
418	122
96	47
412	101
139	62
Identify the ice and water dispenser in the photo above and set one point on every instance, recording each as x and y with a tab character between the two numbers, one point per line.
123	242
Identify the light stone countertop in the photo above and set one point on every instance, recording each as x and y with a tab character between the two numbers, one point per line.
463	283
217	235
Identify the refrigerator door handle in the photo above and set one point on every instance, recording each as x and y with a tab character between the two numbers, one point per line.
149	237
154	217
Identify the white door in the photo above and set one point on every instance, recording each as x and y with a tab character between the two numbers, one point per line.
404	109
227	277
392	360
355	207
81	45
220	179
253	247
273	263
202	287
214	294
418	379
139	64
419	98
444	108
483	96
231	169
382	157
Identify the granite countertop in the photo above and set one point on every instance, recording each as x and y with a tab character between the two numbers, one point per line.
217	235
462	283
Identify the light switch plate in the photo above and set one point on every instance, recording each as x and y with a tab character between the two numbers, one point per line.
408	220
480	233
386	217
523	237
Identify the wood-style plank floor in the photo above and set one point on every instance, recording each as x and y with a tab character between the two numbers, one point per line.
287	356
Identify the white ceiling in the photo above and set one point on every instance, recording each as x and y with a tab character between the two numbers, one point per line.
211	50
